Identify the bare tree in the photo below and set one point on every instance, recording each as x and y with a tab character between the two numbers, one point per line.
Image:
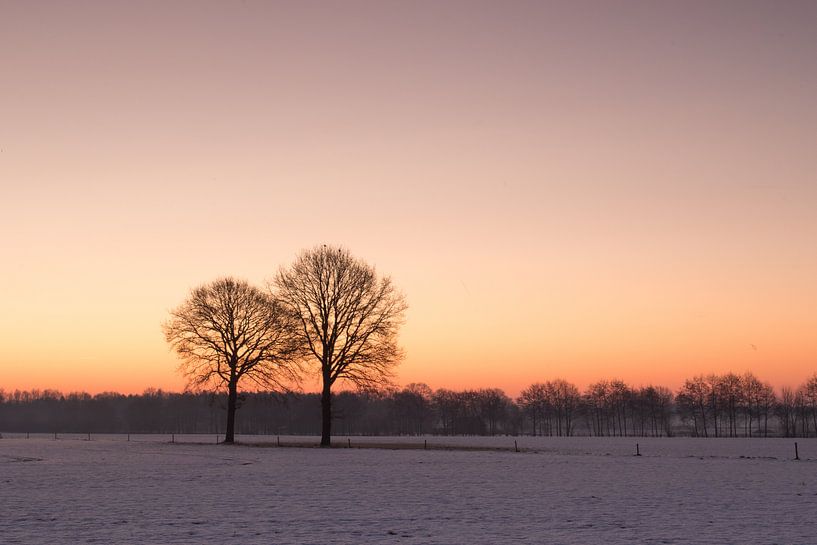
411	408
808	392
596	401
693	399
567	400
532	400
758	401
550	406
492	406
349	320
448	410
228	331
786	412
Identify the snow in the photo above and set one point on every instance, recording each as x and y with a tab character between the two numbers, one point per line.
557	490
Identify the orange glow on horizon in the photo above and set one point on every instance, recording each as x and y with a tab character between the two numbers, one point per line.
561	192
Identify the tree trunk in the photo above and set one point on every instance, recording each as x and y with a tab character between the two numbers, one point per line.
232	398
326	413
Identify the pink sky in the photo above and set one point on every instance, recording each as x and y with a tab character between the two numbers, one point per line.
577	190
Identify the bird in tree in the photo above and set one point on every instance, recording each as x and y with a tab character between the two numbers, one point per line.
349	320
229	333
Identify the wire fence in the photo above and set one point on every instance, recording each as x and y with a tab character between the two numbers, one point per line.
748	448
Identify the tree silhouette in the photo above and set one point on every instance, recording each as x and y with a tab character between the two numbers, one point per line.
349	320
652	410
227	332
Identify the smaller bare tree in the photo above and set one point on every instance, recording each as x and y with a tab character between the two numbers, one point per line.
227	332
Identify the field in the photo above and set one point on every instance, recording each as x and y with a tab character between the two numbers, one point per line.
460	490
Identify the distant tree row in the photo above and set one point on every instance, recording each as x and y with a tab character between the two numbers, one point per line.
733	405
726	405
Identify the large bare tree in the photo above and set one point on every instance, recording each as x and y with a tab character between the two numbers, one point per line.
349	320
227	332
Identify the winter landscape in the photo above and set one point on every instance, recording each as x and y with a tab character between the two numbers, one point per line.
415	272
555	490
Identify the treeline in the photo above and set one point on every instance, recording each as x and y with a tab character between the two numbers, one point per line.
726	405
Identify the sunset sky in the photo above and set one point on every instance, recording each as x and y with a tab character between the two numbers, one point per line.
578	190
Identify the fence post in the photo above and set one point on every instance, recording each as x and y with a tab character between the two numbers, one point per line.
278	440
128	438
515	446
172	437
425	444
796	452
26	435
637	451
349	439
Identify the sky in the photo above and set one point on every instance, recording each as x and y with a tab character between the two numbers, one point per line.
584	190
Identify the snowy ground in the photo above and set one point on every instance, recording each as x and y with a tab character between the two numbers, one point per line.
569	490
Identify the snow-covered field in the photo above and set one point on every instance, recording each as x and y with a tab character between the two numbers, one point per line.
556	490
